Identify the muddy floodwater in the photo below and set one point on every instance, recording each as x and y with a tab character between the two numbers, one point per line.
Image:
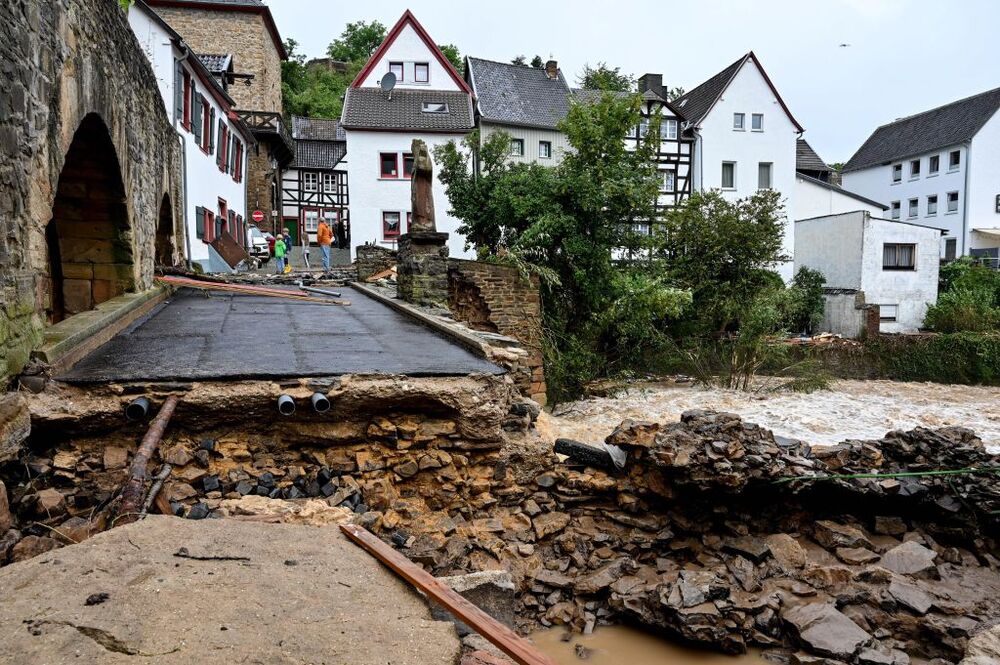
848	410
621	645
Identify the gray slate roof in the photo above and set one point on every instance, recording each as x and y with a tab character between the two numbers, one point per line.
318	154
806	158
944	126
518	94
697	102
317	129
370	108
841	190
215	63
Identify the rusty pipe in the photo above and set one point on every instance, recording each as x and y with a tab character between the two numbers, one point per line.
132	493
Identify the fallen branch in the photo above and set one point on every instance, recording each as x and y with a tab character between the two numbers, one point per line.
184	554
132	494
154	491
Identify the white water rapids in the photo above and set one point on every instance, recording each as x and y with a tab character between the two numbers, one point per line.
848	410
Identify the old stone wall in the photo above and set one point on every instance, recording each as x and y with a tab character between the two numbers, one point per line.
498	299
373	259
74	75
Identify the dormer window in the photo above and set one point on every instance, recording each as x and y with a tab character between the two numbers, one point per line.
435	107
421	72
397	69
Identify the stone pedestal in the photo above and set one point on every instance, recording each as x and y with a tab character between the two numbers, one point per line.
422	268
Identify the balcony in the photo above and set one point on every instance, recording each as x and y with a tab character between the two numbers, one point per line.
271	127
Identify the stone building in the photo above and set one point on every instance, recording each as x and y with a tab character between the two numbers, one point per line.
245	32
90	168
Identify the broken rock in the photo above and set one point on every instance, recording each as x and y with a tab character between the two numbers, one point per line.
6	519
826	630
50	502
911	558
32	546
832	535
910	595
550	523
115	457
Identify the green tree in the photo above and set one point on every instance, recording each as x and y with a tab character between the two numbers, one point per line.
358	41
314	91
603	77
454	56
674	93
519	60
537	62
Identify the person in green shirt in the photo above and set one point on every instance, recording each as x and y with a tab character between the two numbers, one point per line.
279	254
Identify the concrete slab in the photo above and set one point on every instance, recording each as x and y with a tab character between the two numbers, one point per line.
211	335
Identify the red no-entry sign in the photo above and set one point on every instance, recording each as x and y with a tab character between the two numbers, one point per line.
257	216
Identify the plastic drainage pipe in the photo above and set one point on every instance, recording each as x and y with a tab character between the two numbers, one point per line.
286	405
320	403
137	409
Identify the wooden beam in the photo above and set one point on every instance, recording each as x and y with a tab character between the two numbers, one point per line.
519	649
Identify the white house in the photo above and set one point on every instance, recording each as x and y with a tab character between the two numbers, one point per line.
215	142
815	193
745	137
430	101
939	167
314	186
868	260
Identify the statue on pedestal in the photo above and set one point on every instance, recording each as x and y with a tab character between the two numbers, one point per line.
421	190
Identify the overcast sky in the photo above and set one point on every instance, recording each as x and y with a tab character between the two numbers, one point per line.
905	56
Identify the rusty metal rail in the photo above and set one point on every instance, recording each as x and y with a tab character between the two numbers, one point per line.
521	650
133	494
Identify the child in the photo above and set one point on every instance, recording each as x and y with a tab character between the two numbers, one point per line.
280	249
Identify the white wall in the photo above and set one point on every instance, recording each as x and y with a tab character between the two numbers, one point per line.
812	200
911	290
159	50
749	93
876	183
984	182
408	48
832	245
531	139
371	195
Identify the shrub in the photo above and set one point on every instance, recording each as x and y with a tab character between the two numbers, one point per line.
963	357
805	310
964	309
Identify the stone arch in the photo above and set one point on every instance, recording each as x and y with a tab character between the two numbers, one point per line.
89	236
164	244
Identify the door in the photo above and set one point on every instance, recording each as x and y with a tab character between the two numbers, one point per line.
292	225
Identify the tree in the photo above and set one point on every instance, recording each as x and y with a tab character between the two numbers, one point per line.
313	91
454	56
674	93
536	62
519	60
358	41
603	77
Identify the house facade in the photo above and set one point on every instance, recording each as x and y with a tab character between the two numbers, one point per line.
244	31
939	168
216	144
745	138
816	192
314	187
868	260
429	101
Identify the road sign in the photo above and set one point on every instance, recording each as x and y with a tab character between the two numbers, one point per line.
257	216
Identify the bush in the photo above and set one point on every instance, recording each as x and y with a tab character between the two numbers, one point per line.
964	309
963	357
805	311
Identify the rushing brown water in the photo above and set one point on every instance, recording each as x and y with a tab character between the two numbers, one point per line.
621	645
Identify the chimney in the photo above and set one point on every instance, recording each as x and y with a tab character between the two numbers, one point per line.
651	83
552	69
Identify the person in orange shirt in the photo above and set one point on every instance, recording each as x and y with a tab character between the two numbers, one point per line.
324	237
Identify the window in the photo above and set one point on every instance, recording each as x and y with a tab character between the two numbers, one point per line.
764	175
643	127
389	165
187	101
933	164
310	217
897	172
914	208
209	225
421	72
895	209
757	122
954	159
671	126
397	69
206	126
739	121
197	119
545	149
728	175
517	147
310	181
932	205
435	107
952	201
407	165
950	249
238	170
898	256
329	183
888	313
390	224
914	168
330	217
670	181
222	218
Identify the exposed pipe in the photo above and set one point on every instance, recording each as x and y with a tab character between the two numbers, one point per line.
320	403
309	289
137	409
132	494
286	405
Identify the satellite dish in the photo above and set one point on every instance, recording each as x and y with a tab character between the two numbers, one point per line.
388	82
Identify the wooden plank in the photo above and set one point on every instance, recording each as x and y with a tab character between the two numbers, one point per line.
519	649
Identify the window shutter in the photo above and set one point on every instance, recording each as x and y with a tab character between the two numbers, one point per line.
211	136
198	124
222	144
232	155
199	222
179	92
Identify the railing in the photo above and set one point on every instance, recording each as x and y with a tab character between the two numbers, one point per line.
268	122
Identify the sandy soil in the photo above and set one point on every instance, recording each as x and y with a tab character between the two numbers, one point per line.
849	410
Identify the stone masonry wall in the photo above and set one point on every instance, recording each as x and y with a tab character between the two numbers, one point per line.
498	299
373	259
242	34
62	62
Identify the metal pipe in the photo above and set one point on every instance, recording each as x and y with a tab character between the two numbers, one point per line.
309	289
137	409
132	494
286	405
320	403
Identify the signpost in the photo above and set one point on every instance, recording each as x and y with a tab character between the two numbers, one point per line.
257	216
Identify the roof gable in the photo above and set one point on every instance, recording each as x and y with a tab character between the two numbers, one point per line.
699	102
806	158
944	126
382	54
403	110
251	6
518	94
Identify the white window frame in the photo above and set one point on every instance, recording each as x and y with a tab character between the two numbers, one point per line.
669	181
914	174
519	144
739	122
897	173
933	165
884	315
643	128
950	210
754	117
314	226
895	209
329	183
545	149
722	181
958	164
913	208
770	175
672	129
435	107
932	205
310	181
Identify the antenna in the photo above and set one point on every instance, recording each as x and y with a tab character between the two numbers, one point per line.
388	82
